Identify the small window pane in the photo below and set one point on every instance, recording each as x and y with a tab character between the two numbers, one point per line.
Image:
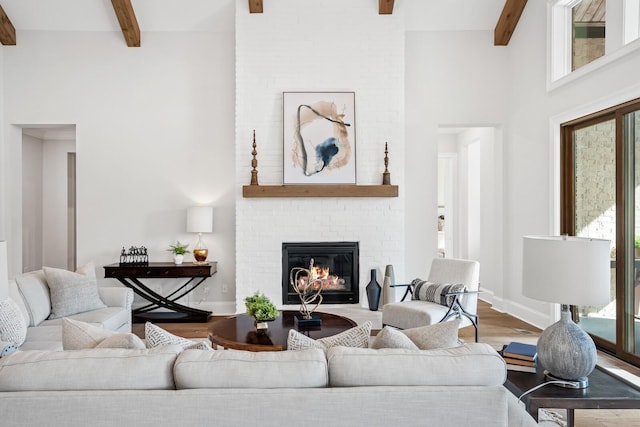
588	32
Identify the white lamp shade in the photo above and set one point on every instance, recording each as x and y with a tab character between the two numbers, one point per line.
200	219
566	269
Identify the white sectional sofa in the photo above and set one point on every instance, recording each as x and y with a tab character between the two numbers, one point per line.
32	294
346	386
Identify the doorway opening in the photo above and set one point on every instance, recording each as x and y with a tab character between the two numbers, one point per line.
470	197
48	197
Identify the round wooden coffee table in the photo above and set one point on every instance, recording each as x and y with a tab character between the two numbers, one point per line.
238	332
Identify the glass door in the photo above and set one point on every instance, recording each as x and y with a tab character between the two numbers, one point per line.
601	198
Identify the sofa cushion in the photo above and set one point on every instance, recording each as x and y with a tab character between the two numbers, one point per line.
358	336
435	292
155	336
13	327
92	369
78	335
475	364
246	369
72	292
35	295
390	337
438	335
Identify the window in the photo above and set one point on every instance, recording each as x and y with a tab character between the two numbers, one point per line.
589	32
588	19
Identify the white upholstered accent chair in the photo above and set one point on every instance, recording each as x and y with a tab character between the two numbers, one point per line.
413	313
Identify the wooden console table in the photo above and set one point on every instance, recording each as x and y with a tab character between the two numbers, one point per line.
130	275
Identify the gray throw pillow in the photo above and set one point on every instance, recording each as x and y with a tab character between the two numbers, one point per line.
77	335
390	337
438	335
72	293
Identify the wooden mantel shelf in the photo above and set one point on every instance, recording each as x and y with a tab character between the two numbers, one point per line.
319	191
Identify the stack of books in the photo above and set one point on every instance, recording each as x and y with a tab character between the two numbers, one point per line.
520	356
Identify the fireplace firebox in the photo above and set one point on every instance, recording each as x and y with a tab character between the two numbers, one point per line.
336	263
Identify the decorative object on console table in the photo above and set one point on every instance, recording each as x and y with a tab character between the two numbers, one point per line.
261	309
195	275
254	161
319	138
388	283
178	251
200	220
308	286
566	270
373	292
386	176
134	256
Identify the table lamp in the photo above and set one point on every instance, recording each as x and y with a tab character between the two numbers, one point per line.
200	220
570	271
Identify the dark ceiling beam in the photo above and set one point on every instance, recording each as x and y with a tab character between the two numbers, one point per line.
128	22
385	7
255	6
508	20
7	30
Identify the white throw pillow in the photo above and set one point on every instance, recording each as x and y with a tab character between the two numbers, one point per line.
357	336
71	292
156	337
13	327
77	335
438	335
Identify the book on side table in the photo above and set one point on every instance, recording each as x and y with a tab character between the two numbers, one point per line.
520	356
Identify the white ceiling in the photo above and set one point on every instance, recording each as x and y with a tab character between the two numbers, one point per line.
219	15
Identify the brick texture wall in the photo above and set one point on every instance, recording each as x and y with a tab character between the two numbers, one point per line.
317	46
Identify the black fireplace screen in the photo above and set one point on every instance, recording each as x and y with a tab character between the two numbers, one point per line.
335	263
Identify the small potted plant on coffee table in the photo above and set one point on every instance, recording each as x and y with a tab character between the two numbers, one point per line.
178	252
260	308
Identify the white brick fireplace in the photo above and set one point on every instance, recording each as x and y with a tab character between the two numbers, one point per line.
315	46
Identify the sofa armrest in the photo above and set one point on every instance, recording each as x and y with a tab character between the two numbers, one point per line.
116	296
518	416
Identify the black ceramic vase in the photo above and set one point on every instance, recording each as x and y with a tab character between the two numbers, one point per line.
373	292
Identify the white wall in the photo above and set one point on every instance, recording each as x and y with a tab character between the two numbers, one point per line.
531	156
453	79
318	46
154	136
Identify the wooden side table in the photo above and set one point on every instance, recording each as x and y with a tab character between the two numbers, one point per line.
195	274
605	391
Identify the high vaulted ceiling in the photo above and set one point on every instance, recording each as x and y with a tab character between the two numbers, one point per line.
219	15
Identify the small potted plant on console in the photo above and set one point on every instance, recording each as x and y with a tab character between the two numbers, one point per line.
178	252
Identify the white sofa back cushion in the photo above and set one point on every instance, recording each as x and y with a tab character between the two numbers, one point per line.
35	294
245	369
474	364
92	369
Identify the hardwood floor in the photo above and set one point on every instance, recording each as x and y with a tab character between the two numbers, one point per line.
496	329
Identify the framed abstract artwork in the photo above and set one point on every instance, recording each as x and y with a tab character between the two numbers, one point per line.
319	138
